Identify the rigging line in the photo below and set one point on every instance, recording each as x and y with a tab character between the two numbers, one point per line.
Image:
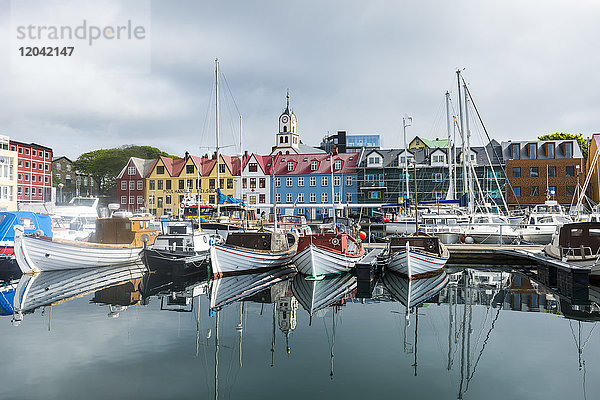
487	135
589	336
205	126
226	101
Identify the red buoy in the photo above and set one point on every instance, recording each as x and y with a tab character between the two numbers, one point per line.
362	235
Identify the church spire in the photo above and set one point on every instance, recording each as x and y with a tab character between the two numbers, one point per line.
287	100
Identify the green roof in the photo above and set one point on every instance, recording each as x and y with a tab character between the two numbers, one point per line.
435	144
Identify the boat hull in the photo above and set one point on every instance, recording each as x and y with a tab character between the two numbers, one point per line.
158	259
38	254
416	264
226	260
315	261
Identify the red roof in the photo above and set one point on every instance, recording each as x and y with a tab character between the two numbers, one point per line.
302	163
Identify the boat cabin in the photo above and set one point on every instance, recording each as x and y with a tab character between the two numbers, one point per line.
124	231
579	239
549	207
430	244
263	241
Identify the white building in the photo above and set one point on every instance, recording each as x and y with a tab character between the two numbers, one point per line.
256	182
8	176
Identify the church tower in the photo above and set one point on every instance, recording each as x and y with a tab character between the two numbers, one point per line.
287	140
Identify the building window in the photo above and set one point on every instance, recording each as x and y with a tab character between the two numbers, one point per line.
123	185
349	180
159	184
253	167
151	184
323	197
20	177
131	184
337	165
123	199
262	183
348	197
290	166
314	165
27	177
516	172
131	170
150	200
551	190
252	183
262	198
336	197
190	185
229	183
568	149
551	171
549	150
438	176
300	197
374	160
278	197
517	191
337	180
26	191
439	159
131	199
324	181
211	185
19	191
27	151
313	197
140	184
437	195
168	199
300	181
244	183
532	151
46	179
221	168
534	172
189	169
27	165
140	200
570	190
181	184
515	151
313	181
570	170
159	202
374	195
33	153
288	182
58	167
288	198
47	155
277	182
534	191
47	167
20	150
160	170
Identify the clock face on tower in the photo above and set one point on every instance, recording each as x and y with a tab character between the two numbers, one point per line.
284	119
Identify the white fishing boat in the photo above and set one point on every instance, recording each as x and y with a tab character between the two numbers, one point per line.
448	227
416	255
245	251
540	228
490	229
327	253
52	287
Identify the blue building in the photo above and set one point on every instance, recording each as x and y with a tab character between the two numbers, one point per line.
303	183
345	143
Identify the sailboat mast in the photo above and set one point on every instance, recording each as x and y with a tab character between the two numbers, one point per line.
468	152
462	134
332	190
449	155
404	125
217	133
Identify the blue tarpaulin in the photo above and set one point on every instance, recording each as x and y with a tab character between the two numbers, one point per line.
223	198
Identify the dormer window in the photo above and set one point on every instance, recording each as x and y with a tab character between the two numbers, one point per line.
290	166
532	151
314	165
374	160
253	167
515	151
337	164
549	150
568	147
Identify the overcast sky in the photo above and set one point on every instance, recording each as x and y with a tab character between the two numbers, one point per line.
532	67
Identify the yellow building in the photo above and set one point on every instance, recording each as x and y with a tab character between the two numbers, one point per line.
8	176
593	190
420	143
172	182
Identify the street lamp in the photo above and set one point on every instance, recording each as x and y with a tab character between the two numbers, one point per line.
406	121
60	186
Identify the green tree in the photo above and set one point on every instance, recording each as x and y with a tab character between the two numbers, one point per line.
583	142
105	164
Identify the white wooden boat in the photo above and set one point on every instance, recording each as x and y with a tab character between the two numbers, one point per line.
316	295
246	251
48	288
36	254
414	292
416	255
230	289
327	253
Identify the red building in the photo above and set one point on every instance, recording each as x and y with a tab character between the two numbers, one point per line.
131	184
34	169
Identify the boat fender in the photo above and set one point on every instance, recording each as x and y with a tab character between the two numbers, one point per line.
335	241
462	238
38	233
204	237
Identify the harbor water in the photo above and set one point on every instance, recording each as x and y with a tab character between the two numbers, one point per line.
468	333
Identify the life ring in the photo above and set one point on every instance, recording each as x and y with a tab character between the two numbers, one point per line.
182	205
335	241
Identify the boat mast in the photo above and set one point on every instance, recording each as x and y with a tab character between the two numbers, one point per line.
406	121
449	155
217	131
332	189
468	152
462	130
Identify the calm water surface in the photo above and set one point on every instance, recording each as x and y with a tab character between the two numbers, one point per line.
467	334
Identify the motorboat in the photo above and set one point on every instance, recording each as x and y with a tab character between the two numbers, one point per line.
577	243
252	250
180	245
489	228
328	253
447	227
116	241
539	228
417	255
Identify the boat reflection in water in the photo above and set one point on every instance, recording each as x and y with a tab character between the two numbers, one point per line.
54	287
316	295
